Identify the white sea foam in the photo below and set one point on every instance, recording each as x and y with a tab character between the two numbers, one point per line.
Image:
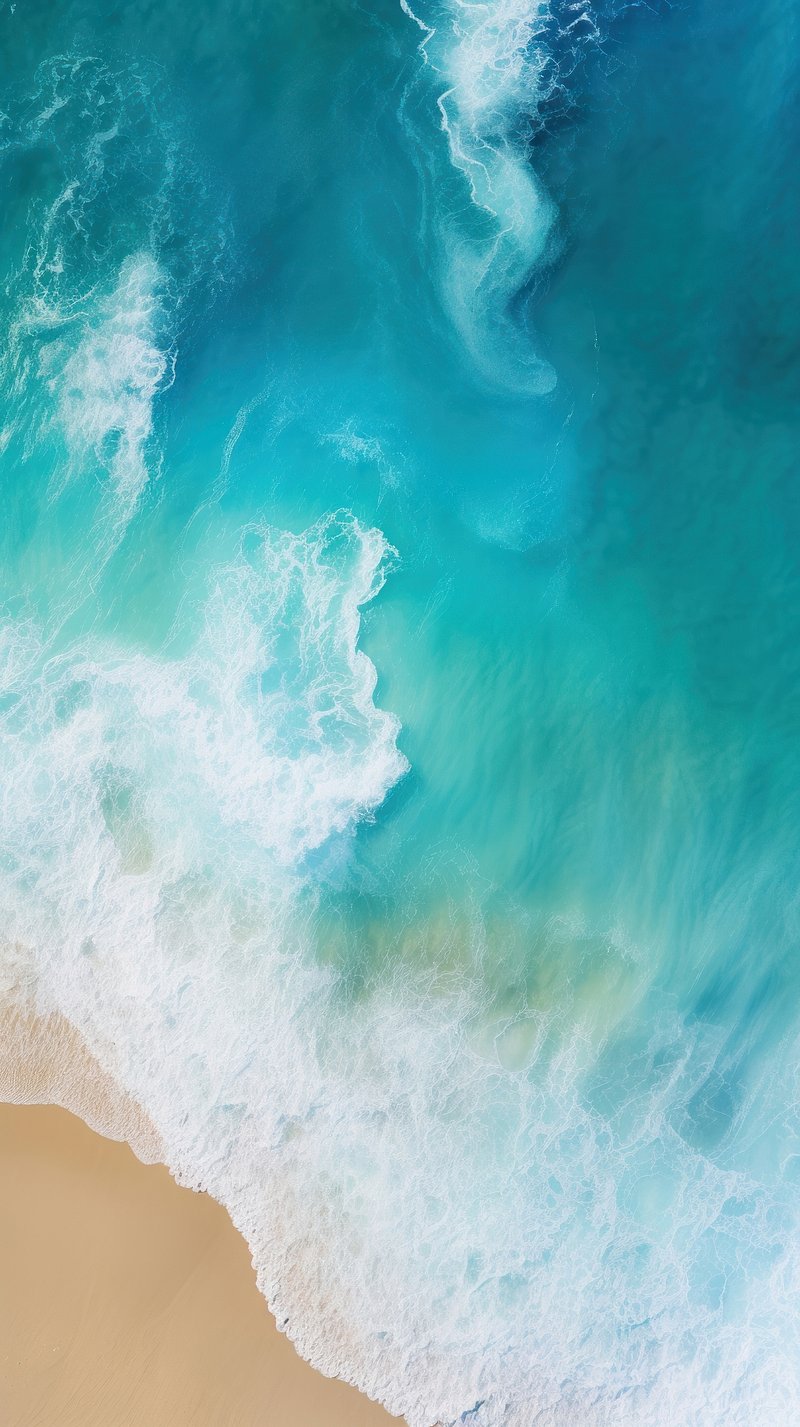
86	366
104	386
497	70
356	448
435	1210
99	294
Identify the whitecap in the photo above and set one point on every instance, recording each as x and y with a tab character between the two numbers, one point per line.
497	68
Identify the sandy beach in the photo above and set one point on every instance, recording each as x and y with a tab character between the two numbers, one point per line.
128	1301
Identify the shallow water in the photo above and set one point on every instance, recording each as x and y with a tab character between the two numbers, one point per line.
400	666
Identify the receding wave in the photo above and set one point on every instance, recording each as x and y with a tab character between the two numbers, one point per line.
435	1209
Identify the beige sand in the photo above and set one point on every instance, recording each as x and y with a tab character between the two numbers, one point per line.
126	1301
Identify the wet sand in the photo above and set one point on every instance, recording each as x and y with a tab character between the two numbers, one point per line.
128	1301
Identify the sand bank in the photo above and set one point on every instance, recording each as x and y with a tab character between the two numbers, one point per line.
129	1302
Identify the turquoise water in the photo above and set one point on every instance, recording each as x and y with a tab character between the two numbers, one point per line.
400	632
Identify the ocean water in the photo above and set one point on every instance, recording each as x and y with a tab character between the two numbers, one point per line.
399	665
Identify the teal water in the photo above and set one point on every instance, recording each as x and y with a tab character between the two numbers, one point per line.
399	695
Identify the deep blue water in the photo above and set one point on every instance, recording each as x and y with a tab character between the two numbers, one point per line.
400	641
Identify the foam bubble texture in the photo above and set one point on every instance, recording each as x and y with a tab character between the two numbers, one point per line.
105	389
435	1209
497	70
43	1061
501	1219
99	292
